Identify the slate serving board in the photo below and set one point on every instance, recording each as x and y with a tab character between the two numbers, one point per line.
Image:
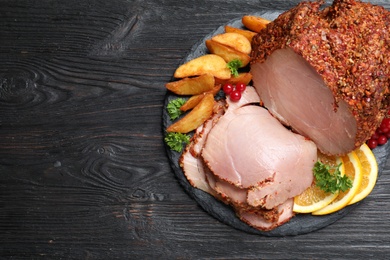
301	223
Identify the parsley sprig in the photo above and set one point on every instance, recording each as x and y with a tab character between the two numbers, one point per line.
329	178
234	65
173	108
175	141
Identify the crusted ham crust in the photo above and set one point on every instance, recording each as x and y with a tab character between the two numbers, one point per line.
348	45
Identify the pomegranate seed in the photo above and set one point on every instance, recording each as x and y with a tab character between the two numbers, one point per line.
372	143
235	95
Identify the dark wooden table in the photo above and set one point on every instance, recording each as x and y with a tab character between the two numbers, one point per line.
83	169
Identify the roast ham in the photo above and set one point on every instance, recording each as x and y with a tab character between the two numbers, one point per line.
259	219
259	170
326	73
252	150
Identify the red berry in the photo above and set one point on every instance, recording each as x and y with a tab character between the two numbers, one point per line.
375	136
385	123
240	87
227	88
378	131
235	95
384	130
372	143
382	139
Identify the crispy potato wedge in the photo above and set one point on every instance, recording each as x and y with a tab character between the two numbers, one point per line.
227	53
194	100
254	23
215	89
234	40
195	117
208	63
247	33
243	77
192	86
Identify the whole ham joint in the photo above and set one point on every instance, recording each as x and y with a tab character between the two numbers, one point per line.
326	73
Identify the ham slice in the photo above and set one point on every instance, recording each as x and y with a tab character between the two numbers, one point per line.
252	150
190	161
256	220
201	176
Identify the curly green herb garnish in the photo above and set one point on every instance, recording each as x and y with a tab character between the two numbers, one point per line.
234	65
175	141
173	108
329	178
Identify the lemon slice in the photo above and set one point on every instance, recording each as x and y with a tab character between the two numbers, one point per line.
370	173
313	198
353	169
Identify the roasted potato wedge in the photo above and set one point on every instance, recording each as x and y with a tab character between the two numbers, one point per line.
254	23
215	89
247	33
234	40
194	100
243	77
195	117
227	53
208	63
192	86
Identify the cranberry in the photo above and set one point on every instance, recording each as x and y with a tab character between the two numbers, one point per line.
235	95
384	130
240	87
375	136
382	139
385	125
372	143
227	88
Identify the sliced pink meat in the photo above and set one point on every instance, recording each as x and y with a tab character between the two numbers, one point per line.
258	221
190	160
200	136
249	148
230	193
258	170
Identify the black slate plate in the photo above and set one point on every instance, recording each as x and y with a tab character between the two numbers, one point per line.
301	223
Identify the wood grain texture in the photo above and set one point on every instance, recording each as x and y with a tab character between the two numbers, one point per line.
83	169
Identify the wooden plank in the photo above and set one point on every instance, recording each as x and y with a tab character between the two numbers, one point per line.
83	169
